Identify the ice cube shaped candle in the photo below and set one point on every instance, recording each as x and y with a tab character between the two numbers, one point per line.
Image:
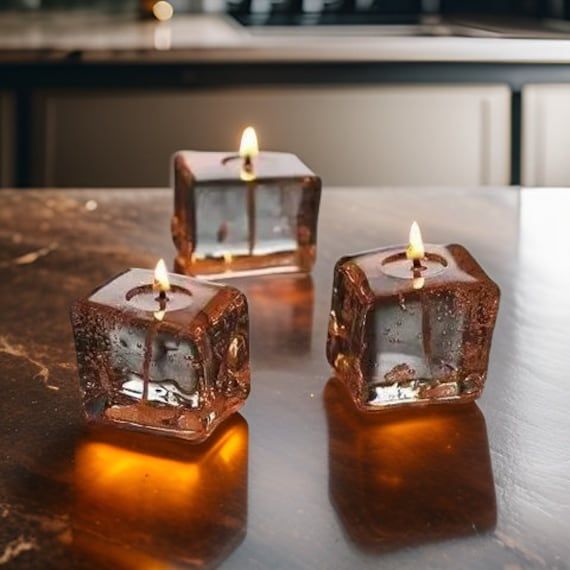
167	353
244	213
411	326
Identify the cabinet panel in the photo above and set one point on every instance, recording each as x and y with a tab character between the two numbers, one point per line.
365	135
6	140
545	135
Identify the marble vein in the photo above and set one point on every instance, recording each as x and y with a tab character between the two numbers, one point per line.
15	548
18	351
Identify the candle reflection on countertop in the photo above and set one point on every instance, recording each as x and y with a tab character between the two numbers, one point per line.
146	501
398	479
280	312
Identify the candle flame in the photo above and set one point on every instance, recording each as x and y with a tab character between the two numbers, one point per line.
248	147
415	249
161	283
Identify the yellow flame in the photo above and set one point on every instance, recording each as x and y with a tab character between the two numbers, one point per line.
415	249
163	11
161	282
248	147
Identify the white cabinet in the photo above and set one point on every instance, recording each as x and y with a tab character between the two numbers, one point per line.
350	135
6	140
545	135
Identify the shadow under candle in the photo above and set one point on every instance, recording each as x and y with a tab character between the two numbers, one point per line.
146	501
403	478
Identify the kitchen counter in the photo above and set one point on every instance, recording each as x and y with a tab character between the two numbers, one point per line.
308	484
106	39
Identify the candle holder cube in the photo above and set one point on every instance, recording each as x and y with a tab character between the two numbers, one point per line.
231	220
399	334
175	364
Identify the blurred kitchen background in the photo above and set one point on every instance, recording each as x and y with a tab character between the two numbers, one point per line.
367	92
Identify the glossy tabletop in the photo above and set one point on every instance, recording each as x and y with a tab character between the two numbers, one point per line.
298	480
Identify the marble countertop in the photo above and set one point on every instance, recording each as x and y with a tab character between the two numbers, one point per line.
103	38
471	486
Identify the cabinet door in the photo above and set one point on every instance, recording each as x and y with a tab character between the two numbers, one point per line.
545	135
6	140
364	135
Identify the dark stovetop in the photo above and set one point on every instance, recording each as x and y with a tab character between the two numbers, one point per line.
326	18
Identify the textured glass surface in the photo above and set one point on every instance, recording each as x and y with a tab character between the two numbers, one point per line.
394	343
173	370
222	221
181	373
276	211
226	224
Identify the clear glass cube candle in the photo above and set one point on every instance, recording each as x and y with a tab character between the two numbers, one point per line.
401	334
231	220
176	365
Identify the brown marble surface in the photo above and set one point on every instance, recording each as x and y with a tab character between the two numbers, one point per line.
298	480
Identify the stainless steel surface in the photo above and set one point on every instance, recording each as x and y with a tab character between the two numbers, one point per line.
102	38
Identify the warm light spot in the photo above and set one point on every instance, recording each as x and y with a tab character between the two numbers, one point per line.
121	477
163	11
232	446
130	481
131	487
418	283
159	315
228	258
246	175
248	147
415	249
234	348
409	427
162	37
161	283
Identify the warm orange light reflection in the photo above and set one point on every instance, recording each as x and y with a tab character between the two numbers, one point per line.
281	313
159	315
160	500
248	147
415	249
409	476
124	477
228	258
418	283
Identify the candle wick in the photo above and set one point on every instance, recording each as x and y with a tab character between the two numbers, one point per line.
417	265
247	163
